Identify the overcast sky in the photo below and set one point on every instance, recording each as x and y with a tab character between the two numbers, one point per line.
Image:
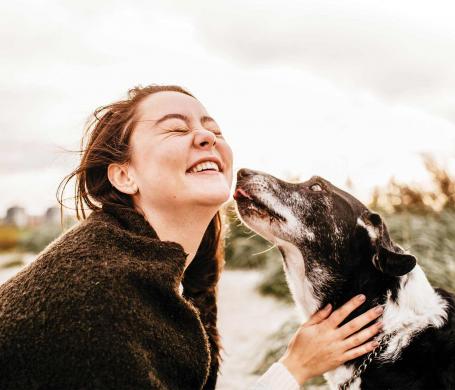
342	89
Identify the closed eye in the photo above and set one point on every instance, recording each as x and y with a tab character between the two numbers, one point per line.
316	187
180	130
187	130
215	131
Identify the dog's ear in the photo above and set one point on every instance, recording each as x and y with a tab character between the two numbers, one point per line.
388	257
392	262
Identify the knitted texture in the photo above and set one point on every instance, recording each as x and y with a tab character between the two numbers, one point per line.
100	309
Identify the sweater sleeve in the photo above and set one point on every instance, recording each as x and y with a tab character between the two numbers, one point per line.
277	377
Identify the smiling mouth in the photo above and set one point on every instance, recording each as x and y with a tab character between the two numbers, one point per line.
205	166
246	201
207	173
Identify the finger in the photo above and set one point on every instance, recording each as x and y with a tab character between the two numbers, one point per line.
362	336
360	321
337	317
359	351
320	315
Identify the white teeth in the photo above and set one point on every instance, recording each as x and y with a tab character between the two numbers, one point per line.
204	166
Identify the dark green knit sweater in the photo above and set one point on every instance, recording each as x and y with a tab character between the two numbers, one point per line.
100	309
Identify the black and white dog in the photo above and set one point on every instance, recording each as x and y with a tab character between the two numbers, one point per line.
333	248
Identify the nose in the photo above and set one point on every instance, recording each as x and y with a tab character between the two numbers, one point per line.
205	139
244	172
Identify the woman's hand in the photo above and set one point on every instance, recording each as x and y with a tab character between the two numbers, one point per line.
319	345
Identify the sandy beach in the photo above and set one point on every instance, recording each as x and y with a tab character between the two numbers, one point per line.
246	319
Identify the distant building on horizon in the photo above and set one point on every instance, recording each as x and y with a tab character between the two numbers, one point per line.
16	216
52	215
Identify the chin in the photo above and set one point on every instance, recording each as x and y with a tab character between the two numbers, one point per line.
213	198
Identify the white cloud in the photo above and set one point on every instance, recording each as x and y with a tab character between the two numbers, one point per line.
309	87
403	50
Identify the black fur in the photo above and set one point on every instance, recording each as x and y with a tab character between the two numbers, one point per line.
355	261
428	363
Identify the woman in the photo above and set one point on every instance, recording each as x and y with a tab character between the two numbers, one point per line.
127	298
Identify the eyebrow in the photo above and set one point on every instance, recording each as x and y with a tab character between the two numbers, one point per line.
204	118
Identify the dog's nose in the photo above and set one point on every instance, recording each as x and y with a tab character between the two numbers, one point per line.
244	172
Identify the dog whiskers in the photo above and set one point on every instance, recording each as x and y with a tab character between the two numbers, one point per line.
252	236
265	251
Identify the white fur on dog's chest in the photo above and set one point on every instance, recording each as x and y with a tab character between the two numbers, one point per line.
417	307
301	288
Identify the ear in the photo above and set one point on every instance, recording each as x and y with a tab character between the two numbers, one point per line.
388	257
393	263
120	178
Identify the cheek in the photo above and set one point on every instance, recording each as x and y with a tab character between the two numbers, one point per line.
227	156
156	167
225	151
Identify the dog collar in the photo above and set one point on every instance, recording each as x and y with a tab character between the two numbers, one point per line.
367	361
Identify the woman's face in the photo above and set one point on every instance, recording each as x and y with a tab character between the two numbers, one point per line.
172	135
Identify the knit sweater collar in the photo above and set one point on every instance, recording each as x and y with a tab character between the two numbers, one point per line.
131	230
127	231
131	220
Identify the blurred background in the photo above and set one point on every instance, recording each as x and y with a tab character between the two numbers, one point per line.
359	92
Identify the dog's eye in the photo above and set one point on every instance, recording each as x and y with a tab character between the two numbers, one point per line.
316	187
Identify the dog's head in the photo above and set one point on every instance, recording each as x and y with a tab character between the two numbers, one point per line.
335	233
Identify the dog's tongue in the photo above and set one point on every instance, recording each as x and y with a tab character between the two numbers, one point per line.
240	193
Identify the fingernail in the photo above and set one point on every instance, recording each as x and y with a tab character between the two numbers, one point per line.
378	309
360	297
374	344
328	307
379	324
